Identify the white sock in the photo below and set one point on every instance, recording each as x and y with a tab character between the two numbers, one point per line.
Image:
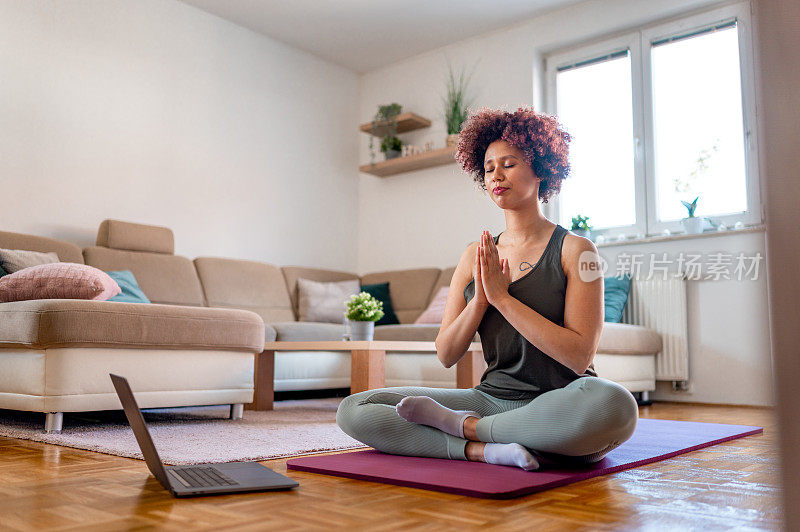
423	410
509	454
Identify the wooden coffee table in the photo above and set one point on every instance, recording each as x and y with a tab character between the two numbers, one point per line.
367	364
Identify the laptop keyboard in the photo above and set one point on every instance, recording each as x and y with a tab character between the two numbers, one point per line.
200	477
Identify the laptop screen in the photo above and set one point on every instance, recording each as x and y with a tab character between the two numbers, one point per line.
136	421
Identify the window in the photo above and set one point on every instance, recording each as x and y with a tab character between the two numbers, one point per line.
658	117
588	95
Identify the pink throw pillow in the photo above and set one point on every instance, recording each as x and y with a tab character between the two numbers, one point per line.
435	311
58	280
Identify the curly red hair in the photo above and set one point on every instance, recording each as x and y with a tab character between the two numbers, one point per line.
539	136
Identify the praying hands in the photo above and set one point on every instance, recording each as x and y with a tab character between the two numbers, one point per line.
492	275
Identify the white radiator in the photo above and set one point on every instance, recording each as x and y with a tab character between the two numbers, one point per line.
660	305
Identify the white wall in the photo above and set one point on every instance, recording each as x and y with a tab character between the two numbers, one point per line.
156	112
428	217
728	321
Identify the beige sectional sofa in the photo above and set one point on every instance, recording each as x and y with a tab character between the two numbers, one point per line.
56	354
195	344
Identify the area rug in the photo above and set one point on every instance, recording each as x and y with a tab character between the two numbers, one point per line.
195	435
654	439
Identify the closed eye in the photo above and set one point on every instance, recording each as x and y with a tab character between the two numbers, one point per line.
492	170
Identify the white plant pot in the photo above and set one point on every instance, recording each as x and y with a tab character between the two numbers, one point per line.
361	330
586	233
693	225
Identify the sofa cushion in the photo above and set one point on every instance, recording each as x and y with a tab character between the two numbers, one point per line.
307	331
66	251
166	279
408	332
411	332
382	292
411	290
292	273
435	311
130	291
247	284
625	339
270	334
48	323
14	260
116	234
615	292
444	280
58	280
324	302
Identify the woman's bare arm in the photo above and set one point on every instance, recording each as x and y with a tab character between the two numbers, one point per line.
461	319
574	344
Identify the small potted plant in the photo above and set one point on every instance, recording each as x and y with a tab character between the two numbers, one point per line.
391	147
693	225
362	311
384	125
581	227
455	107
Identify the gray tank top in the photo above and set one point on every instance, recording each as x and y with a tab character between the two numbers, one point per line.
517	369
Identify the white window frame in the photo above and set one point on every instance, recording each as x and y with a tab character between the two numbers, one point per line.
639	44
630	42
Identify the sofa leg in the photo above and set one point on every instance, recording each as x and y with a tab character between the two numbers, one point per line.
643	398
237	410
53	422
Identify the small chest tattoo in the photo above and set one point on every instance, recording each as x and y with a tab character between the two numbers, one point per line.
525	266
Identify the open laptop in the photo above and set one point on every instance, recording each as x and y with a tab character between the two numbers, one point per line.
202	479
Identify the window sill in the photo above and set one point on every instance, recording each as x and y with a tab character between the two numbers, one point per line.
681	236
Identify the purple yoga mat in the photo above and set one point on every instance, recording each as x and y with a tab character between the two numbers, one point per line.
654	439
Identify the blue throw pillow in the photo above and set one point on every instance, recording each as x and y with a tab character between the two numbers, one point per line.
616	296
131	293
381	293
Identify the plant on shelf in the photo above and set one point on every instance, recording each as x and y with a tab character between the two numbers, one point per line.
384	125
581	227
362	311
455	106
391	146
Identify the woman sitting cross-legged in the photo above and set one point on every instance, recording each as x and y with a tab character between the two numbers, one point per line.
535	294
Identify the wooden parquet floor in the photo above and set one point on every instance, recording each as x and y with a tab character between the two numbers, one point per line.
734	485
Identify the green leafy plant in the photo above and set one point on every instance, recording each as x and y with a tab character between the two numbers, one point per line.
363	307
391	143
384	124
580	223
691	206
455	106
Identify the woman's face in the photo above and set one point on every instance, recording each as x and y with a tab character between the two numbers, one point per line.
504	167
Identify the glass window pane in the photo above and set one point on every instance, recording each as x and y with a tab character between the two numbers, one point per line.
594	104
697	119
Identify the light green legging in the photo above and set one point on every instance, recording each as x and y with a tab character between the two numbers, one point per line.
579	423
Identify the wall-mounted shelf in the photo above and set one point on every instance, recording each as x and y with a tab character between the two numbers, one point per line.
409	163
405	122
